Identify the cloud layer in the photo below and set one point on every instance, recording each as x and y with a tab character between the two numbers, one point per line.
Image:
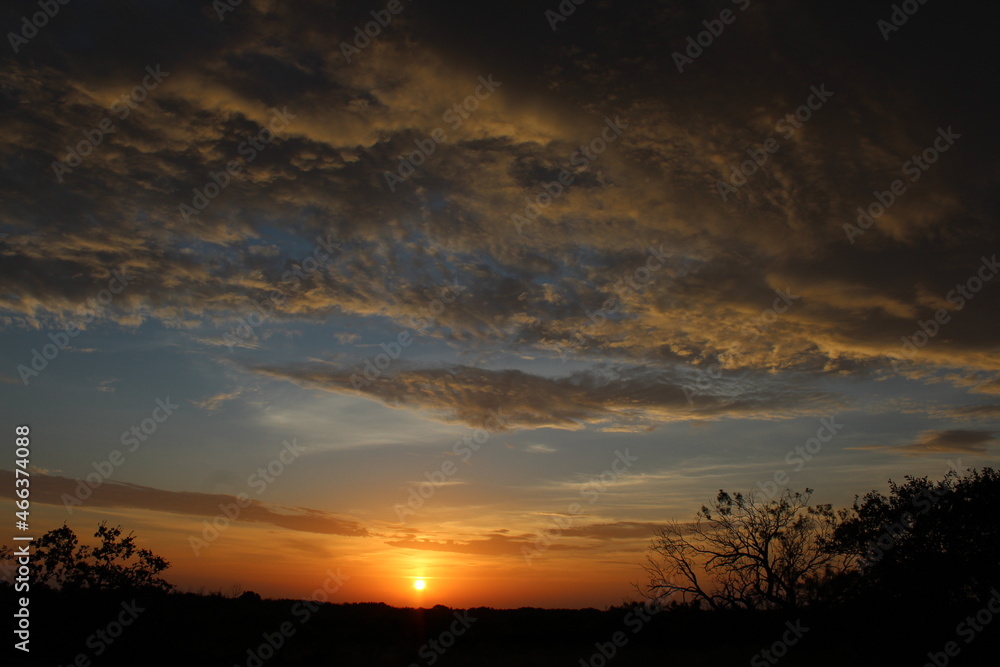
62	491
324	176
572	205
620	399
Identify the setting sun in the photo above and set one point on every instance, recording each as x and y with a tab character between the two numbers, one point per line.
549	306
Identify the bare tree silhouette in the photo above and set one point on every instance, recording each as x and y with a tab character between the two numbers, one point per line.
745	552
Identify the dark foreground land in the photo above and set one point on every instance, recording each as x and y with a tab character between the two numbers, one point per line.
185	629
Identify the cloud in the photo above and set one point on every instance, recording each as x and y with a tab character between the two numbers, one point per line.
53	490
619	530
215	402
494	545
106	385
946	442
538	292
974	412
501	543
976	382
615	399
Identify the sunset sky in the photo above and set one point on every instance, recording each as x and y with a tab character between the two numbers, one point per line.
564	274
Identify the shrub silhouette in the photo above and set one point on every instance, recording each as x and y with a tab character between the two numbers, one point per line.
921	531
116	563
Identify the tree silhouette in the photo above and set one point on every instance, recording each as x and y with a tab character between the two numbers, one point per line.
744	552
115	563
944	531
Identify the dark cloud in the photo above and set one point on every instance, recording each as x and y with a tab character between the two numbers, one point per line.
620	530
534	292
947	442
52	490
612	398
974	412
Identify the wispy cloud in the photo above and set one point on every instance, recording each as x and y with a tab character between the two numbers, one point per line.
620	399
52	490
945	442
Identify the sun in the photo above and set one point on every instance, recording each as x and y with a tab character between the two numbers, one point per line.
420	584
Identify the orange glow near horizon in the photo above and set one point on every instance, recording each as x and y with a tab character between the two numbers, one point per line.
246	557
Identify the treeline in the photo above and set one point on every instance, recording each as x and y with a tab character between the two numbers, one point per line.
905	577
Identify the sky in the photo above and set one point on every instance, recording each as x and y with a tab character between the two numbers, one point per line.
483	294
